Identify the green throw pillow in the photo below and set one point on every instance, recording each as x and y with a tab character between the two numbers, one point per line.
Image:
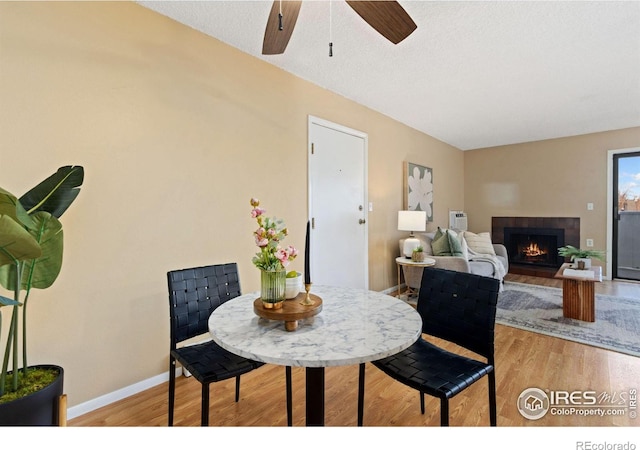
440	244
455	246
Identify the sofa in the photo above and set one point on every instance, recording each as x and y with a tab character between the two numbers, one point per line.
479	256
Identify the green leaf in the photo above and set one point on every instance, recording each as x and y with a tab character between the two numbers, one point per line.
42	272
56	193
16	244
39	272
10	206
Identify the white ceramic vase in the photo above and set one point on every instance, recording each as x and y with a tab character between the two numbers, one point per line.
293	286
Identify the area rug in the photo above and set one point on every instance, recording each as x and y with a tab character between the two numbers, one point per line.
539	309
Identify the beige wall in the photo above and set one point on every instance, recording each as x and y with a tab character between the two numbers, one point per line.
552	178
176	132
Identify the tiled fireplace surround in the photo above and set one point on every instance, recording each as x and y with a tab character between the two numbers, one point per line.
570	225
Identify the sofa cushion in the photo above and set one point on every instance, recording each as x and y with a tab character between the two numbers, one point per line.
463	246
440	244
446	243
455	245
482	268
479	243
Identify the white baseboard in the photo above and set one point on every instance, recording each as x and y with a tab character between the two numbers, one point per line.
125	392
393	289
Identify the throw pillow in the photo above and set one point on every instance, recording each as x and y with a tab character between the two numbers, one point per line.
454	243
440	244
463	245
479	243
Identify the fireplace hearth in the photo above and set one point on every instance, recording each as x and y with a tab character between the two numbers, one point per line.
532	242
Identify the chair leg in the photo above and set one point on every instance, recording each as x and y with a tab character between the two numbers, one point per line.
172	388
237	388
444	412
289	396
204	413
493	413
422	402
360	394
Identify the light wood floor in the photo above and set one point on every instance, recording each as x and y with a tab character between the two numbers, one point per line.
523	360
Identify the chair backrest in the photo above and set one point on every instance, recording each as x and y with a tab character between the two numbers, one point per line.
459	307
193	295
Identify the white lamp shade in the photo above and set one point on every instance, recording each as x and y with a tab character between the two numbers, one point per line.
412	221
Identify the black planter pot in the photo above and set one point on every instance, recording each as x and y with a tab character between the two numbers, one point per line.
38	409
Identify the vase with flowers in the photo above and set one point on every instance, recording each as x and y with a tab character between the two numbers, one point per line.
273	257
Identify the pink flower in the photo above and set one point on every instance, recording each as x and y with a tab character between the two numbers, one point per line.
256	212
268	235
283	256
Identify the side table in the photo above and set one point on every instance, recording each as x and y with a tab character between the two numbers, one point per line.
578	293
402	261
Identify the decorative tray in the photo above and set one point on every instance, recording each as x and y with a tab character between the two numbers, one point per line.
291	310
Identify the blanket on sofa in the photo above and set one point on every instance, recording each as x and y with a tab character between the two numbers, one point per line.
498	269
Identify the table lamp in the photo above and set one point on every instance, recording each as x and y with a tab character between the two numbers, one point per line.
411	221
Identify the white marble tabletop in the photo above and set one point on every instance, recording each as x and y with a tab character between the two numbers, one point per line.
354	326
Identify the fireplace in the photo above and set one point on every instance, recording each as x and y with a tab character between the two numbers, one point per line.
532	242
534	246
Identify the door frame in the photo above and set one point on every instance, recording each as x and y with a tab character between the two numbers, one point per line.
313	120
610	248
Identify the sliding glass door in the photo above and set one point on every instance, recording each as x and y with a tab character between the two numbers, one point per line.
626	220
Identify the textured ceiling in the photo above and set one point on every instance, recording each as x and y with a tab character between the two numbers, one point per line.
473	74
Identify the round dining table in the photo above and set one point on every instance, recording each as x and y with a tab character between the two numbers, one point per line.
355	326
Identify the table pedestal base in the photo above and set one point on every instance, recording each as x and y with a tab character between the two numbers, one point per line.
578	300
315	396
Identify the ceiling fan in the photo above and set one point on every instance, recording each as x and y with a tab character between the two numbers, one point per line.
387	17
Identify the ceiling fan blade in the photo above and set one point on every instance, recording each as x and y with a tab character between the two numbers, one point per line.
276	40
387	18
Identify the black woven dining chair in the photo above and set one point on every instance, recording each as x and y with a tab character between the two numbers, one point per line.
194	294
457	307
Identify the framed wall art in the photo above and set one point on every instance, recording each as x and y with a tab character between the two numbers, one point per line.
418	189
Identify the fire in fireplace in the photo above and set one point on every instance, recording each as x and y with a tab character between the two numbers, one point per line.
534	246
533	251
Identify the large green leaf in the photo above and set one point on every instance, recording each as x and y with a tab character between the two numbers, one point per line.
16	244
10	206
41	271
44	270
56	193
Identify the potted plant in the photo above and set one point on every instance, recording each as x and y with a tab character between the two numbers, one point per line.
580	257
31	246
273	258
418	254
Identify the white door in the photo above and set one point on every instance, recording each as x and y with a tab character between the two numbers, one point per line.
338	205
